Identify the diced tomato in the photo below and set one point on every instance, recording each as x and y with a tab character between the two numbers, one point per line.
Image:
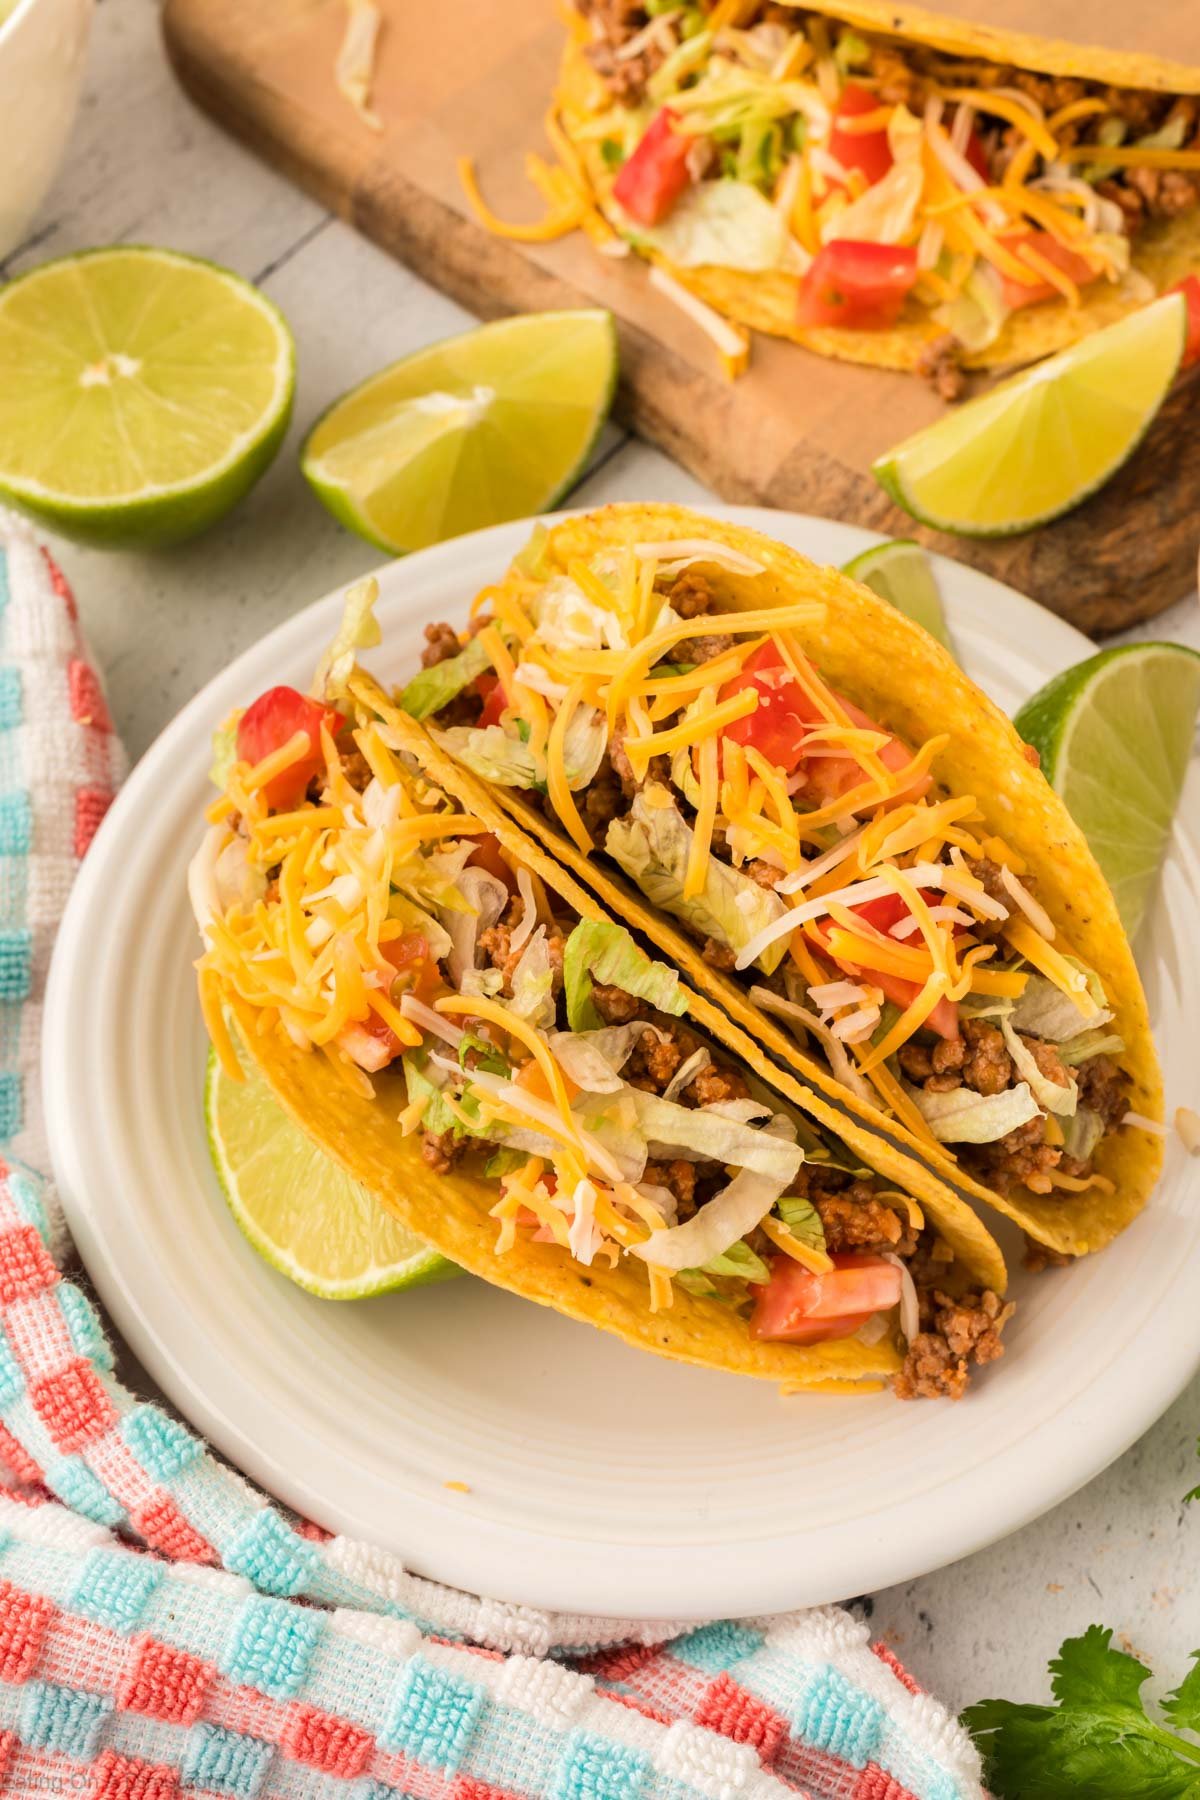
416	967
883	913
488	855
489	689
778	725
803	1308
267	725
657	173
867	151
1075	268
1189	287
859	286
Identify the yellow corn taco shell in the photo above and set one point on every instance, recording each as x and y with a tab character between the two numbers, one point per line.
450	1212
898	674
766	300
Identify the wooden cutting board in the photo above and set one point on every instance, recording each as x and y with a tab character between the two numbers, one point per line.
798	432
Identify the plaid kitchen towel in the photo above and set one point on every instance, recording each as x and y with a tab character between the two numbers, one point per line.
166	1629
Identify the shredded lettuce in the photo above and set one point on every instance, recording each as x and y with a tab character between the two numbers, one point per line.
601	952
720	1223
1080	1049
1051	1095
486	1054
504	1162
486	897
1046	1012
494	754
965	1117
532	983
359	630
1082	1133
434	688
533	558
437	1116
567	620
725	224
484	983
802	1220
224	751
977	315
851	51
491	753
739	1262
652	846
699	1134
594	1059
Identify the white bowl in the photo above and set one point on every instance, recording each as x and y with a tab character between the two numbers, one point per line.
42	53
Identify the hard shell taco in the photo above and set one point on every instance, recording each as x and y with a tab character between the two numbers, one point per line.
473	1036
884	184
840	840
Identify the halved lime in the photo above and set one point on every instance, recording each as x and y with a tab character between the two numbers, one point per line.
901	573
301	1212
1115	735
1043	441
489	426
142	393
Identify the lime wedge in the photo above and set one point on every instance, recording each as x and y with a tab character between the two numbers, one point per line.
1040	443
901	573
142	393
301	1212
489	426
1115	735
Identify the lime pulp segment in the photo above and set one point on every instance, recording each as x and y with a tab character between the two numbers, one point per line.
901	573
493	425
301	1211
1041	442
141	393
1115	735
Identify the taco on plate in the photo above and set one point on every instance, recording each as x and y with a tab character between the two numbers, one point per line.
478	1041
883	183
839	837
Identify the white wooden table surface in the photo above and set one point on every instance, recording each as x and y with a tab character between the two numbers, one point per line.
144	167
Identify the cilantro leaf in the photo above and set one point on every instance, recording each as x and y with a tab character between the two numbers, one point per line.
1088	1672
1182	1706
1097	1741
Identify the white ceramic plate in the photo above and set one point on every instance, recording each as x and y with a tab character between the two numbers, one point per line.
601	1479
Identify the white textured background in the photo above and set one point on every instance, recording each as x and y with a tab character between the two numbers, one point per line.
146	168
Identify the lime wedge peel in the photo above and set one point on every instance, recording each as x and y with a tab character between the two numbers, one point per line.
1115	736
301	1212
1043	441
901	573
142	393
496	424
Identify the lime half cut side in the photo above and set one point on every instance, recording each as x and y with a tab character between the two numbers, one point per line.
1115	735
1043	441
493	425
901	573
301	1212
142	393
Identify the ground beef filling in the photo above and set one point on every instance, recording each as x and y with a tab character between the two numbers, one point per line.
956	1332
979	1060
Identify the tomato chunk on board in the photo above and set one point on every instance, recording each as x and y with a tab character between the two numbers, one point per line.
657	173
857	286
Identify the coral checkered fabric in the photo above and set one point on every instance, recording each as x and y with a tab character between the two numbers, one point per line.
166	1630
